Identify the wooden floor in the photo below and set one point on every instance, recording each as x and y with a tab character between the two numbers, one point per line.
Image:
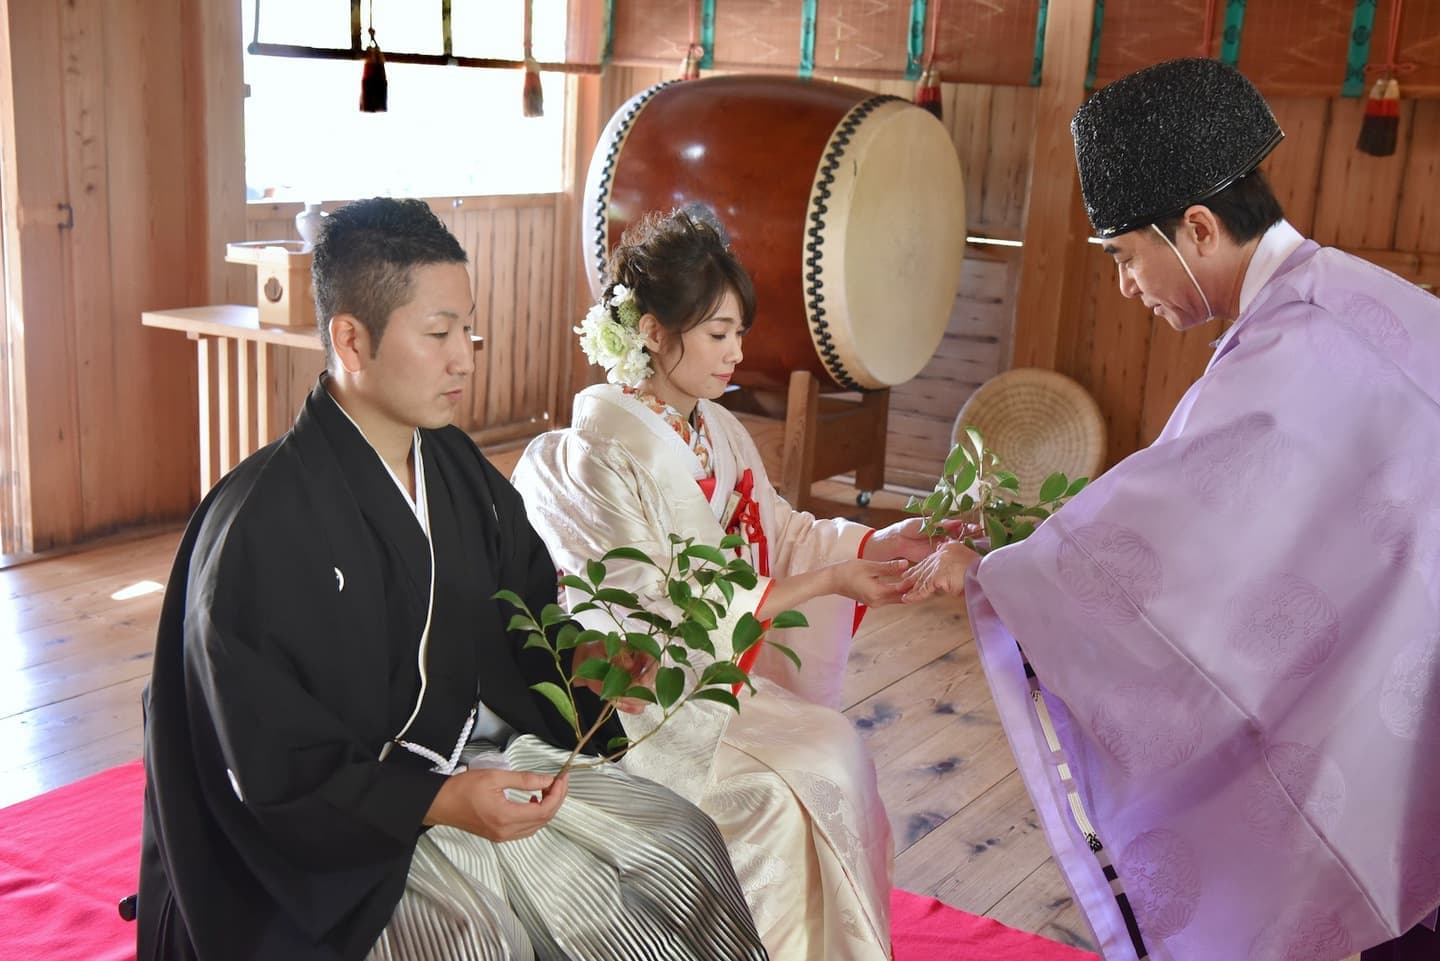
75	659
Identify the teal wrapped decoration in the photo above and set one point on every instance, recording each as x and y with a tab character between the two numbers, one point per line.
1362	27
607	33
1095	29
807	39
707	33
1230	39
1037	65
915	48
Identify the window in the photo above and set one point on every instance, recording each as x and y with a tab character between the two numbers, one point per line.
449	131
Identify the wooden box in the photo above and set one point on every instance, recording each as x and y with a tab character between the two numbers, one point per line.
282	280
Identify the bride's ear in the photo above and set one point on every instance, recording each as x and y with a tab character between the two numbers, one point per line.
652	333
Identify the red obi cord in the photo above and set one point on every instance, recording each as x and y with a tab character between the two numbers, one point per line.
746	522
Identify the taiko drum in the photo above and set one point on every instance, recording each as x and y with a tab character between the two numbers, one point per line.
846	207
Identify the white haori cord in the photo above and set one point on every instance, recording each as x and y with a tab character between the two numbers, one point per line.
443	765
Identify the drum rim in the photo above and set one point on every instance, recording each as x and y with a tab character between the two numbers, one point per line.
816	212
600	235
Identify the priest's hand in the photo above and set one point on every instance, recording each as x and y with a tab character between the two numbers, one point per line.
475	801
901	539
943	572
641	667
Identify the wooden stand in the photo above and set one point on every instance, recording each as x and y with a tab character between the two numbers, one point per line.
231	350
822	436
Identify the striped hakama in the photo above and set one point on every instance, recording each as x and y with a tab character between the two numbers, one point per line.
627	869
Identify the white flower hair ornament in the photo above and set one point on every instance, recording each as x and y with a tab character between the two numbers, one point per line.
610	337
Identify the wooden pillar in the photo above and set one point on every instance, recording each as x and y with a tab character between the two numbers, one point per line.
1055	226
582	129
214	67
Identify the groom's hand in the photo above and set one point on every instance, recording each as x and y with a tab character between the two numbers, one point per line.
641	668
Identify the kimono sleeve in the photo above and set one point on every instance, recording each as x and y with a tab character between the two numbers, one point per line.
268	683
586	496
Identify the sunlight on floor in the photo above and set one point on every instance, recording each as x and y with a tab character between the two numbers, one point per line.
138	589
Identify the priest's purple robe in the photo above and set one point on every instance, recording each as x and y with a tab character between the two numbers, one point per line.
1235	633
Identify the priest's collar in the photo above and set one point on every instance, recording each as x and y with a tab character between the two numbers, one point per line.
1275	247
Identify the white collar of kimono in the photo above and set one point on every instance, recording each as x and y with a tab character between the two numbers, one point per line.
722	458
1275	247
418	504
660	427
480	715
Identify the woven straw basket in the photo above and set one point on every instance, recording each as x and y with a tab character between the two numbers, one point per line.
1037	421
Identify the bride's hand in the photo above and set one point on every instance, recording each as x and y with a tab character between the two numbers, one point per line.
901	539
872	583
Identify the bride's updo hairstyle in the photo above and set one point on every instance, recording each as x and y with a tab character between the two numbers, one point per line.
679	267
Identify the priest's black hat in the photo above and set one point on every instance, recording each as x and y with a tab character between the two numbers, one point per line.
1165	137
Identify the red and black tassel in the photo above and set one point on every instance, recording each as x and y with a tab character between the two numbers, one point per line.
927	92
533	98
1381	127
690	66
374	89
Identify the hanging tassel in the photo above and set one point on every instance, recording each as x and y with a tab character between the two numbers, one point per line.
1380	129
690	67
374	89
1381	126
533	97
927	92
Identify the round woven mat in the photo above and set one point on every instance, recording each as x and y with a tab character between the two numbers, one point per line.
1037	421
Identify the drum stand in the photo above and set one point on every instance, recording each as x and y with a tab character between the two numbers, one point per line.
823	436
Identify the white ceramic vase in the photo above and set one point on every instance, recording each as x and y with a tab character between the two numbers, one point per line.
307	222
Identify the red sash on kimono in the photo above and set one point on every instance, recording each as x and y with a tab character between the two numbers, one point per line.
745	520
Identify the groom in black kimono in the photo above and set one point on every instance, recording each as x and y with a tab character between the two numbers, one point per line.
328	644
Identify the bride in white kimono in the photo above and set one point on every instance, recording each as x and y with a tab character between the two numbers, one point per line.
787	779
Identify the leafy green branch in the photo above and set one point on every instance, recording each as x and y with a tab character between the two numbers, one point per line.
699	585
984	497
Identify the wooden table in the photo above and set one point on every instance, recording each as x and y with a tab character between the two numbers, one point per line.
234	391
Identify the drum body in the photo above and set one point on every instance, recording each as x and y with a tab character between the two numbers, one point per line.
847	208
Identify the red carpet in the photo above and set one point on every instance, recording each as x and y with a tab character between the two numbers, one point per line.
67	857
924	929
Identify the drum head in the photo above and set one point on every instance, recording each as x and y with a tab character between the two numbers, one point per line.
886	241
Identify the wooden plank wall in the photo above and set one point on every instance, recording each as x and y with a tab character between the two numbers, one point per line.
991	127
1385	209
99	189
517	261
